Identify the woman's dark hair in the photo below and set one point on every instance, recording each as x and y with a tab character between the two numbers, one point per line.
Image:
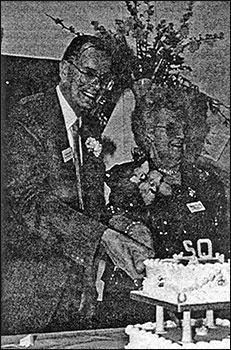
191	105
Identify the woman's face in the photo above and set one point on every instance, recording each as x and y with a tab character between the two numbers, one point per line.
167	139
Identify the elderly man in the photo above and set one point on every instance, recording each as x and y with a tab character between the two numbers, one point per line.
54	197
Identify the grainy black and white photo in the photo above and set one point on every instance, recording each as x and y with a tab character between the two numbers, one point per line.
115	119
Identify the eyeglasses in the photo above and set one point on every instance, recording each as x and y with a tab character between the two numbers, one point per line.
90	74
169	126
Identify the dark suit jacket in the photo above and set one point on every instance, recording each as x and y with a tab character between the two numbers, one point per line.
42	224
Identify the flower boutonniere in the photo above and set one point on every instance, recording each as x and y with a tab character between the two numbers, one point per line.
93	146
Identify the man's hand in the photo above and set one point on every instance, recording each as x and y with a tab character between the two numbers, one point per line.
140	233
119	222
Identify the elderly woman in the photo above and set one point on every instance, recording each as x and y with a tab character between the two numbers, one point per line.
170	126
163	184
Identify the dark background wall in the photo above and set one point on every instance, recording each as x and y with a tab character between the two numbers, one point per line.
22	76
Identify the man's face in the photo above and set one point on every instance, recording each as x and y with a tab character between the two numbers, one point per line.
167	139
86	77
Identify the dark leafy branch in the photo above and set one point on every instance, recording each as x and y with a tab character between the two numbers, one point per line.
59	21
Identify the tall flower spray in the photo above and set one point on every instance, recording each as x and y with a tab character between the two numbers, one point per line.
158	53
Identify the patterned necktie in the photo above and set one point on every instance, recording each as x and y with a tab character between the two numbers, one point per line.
77	159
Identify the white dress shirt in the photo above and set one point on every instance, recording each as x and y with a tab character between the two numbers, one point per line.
69	118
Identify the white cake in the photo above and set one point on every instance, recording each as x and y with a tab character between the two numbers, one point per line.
194	283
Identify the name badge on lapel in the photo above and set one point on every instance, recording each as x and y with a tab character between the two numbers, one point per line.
194	207
67	154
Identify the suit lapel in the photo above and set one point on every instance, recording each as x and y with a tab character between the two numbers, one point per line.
58	139
57	126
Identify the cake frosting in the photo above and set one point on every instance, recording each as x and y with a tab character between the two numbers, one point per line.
193	283
143	336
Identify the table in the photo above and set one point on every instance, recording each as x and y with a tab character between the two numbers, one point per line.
179	307
110	338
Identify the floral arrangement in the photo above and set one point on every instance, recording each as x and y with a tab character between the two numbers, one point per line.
159	49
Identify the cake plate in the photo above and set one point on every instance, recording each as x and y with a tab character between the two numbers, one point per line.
179	307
